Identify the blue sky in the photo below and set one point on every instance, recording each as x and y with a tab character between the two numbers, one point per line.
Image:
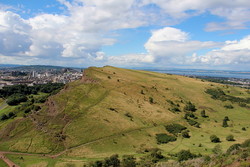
133	33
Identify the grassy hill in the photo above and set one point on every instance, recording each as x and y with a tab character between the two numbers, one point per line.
113	110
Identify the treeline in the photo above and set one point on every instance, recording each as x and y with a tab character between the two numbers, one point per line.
219	94
28	90
18	93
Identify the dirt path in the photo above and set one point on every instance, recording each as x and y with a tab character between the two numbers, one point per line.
7	161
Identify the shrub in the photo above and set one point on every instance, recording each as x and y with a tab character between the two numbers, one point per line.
185	134
243	128
151	100
112	161
164	138
175	128
233	147
229	106
203	114
193	123
190	107
217	149
184	155
128	161
224	124
4	117
11	114
230	138
214	139
246	144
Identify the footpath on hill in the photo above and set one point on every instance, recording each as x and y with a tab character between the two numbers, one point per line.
7	161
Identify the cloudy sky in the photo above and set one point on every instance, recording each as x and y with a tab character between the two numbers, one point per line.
211	34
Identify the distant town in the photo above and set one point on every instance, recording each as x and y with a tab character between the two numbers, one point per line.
34	75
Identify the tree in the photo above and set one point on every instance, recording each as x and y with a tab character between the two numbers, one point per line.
230	138
214	139
128	161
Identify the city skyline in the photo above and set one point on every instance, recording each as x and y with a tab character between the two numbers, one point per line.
132	34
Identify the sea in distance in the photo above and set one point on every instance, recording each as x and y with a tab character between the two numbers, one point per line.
209	73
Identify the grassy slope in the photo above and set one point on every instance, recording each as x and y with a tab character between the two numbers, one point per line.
82	113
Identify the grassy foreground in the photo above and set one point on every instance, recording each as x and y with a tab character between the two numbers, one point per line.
120	111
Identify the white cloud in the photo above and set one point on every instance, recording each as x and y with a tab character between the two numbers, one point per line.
234	12
172	45
233	52
80	33
131	59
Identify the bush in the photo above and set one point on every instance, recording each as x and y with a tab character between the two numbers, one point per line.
217	149
164	138
246	144
4	117
203	114
193	123
229	106
224	124
185	134
214	139
151	100
184	155
190	107
128	161
230	138
11	114
175	128
112	161
233	147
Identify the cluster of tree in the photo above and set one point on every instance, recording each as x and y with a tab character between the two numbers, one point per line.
148	160
8	116
222	81
25	108
16	99
175	128
184	155
18	93
28	90
218	94
163	138
240	153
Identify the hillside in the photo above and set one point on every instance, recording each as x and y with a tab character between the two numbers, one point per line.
113	110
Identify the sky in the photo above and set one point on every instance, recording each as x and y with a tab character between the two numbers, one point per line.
157	34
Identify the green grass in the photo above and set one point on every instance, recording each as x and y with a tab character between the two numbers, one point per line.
3	164
90	118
